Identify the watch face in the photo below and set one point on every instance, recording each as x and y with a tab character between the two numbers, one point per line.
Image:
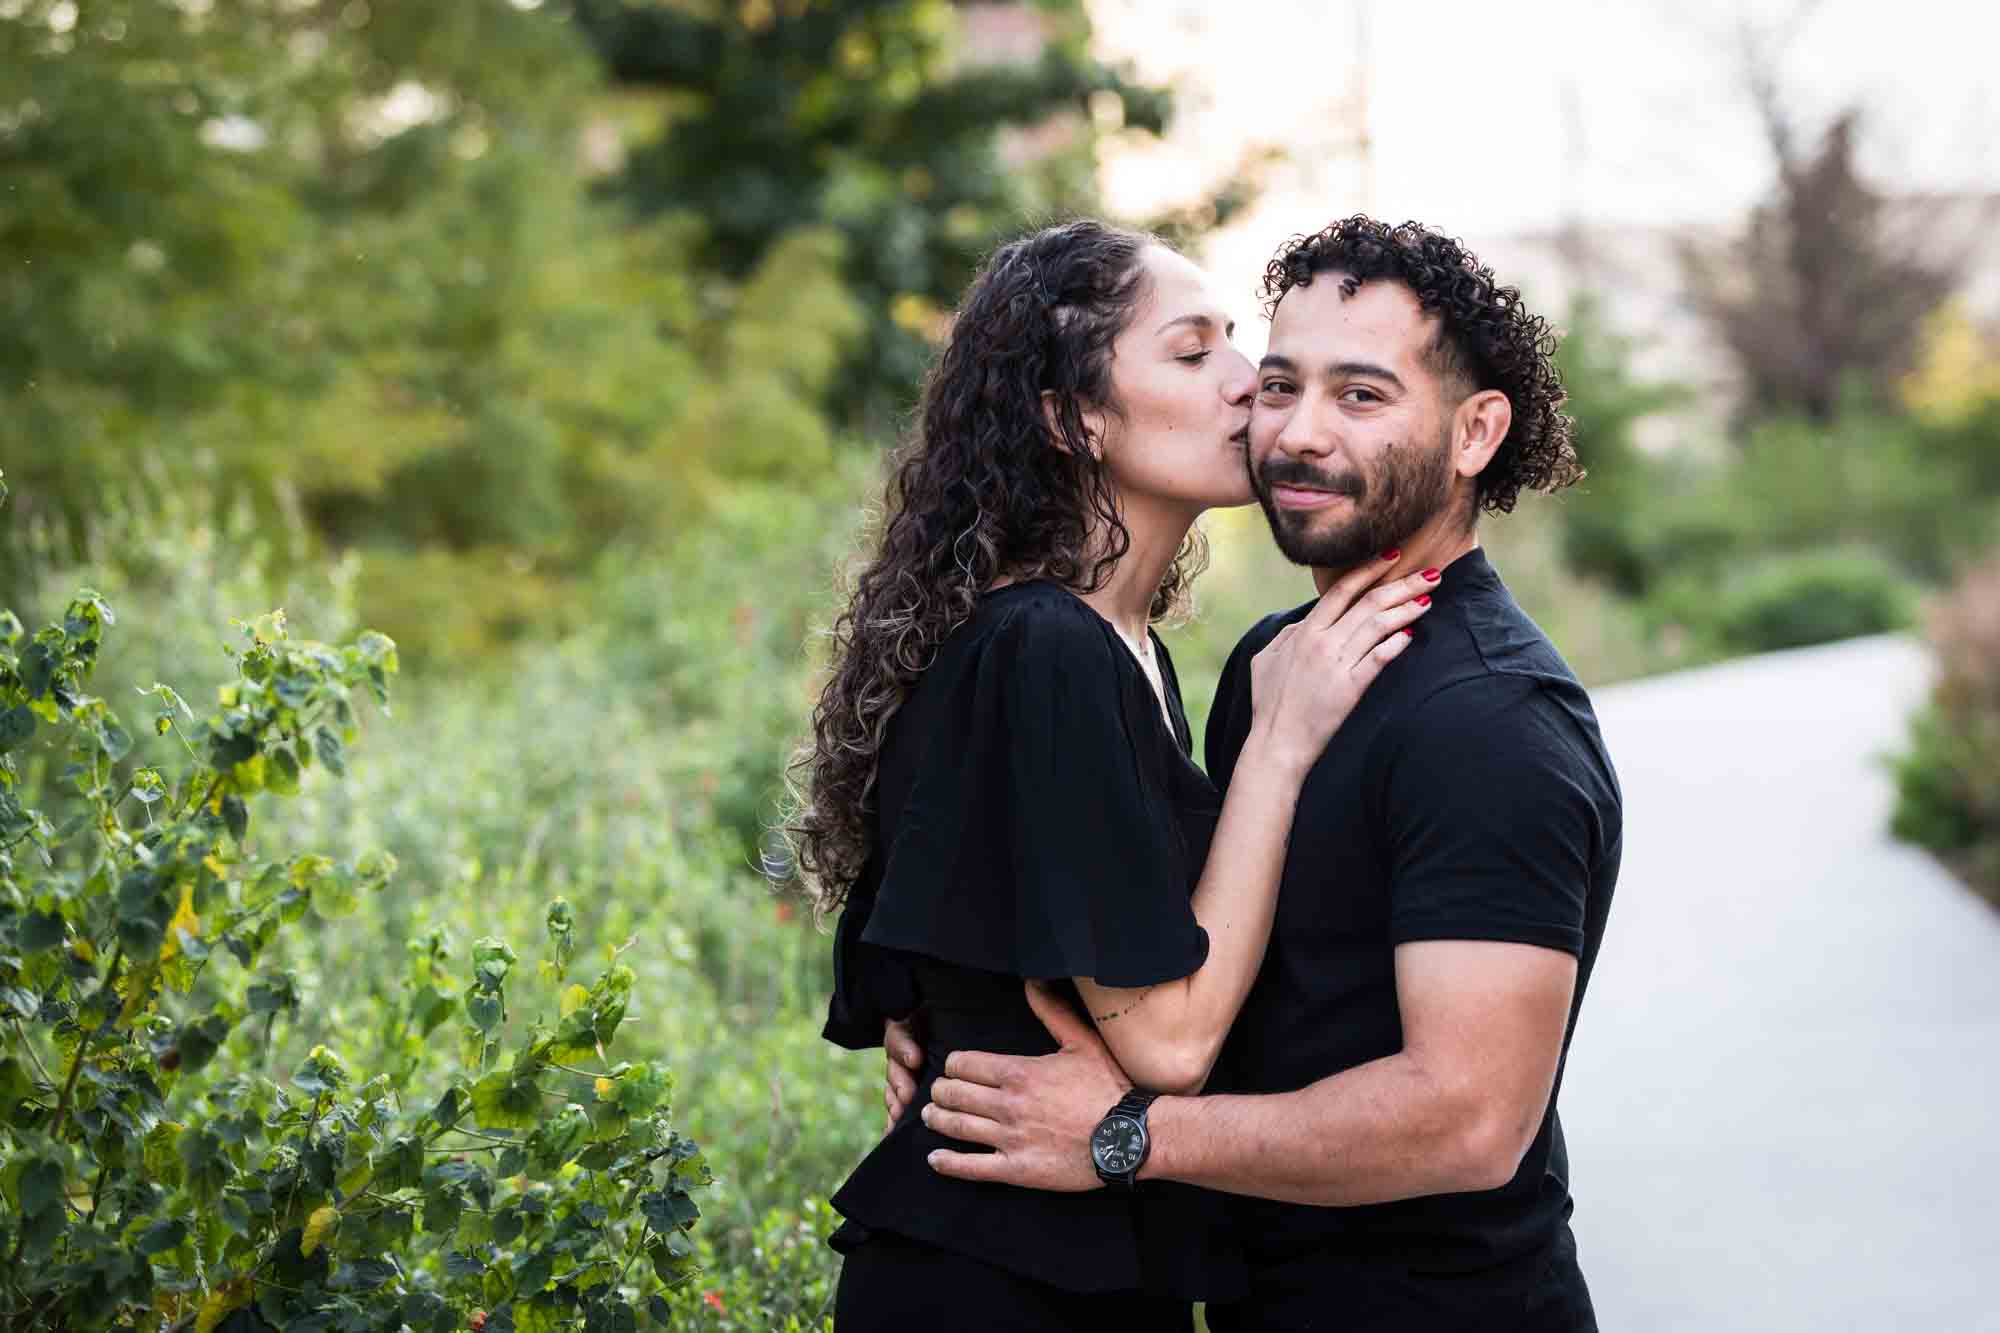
1118	1145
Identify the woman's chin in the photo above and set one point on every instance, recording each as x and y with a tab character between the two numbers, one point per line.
1234	496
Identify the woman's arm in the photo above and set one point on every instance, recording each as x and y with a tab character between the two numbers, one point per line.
1167	1036
1304	684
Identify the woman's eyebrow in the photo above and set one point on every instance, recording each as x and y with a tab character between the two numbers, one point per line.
1203	322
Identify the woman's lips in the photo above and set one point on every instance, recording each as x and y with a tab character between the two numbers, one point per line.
1297	497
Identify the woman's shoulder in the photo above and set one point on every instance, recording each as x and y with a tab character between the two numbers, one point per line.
1038	624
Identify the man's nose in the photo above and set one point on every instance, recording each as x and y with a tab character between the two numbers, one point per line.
1301	436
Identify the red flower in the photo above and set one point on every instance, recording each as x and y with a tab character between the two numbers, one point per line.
713	1299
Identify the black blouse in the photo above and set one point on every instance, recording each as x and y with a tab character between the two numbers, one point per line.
1036	817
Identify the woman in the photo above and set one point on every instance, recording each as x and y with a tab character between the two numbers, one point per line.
999	785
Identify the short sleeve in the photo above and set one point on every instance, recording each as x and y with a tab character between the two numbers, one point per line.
1035	840
1495	828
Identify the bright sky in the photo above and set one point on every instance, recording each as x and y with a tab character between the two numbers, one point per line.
1488	119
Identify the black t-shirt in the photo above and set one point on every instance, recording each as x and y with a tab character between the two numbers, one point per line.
1037	816
1469	797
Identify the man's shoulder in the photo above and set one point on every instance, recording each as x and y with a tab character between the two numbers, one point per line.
1491	676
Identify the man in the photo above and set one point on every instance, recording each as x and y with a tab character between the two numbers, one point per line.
1386	1104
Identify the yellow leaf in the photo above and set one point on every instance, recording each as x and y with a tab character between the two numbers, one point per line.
136	985
231	1296
574	999
605	1087
184	919
318	1226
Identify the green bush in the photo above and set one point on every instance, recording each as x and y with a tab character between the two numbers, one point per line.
1790	602
155	1176
1602	520
605	768
1948	781
784	1284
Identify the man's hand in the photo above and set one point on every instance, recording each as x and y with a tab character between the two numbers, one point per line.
906	1061
1036	1113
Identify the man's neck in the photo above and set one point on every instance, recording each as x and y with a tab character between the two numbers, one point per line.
1435	546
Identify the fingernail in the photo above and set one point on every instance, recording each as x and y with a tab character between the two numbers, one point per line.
1409	634
1395	554
1423	599
931	1158
1432	574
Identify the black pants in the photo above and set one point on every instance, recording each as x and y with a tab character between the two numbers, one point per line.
1543	1293
889	1283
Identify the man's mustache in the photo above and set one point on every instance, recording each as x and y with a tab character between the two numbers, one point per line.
1290	472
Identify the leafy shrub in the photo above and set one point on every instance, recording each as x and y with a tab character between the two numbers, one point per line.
1603	533
622	768
785	1285
155	1177
1948	782
1792	601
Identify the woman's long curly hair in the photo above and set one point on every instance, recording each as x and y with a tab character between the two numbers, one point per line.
999	479
1487	338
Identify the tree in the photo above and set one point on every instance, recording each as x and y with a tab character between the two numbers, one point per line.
1603	532
869	116
351	254
1819	292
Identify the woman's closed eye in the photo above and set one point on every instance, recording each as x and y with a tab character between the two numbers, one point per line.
1193	358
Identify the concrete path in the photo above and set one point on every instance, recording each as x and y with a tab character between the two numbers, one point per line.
1783	1100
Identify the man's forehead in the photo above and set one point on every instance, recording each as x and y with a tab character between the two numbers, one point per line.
1319	321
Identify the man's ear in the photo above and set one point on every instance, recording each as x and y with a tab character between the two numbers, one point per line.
1093	425
1478	427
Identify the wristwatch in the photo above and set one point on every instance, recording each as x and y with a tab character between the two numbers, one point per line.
1119	1144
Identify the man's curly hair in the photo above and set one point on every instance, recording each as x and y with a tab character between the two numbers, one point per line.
1488	339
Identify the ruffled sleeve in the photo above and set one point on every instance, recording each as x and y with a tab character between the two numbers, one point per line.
870	986
1036	838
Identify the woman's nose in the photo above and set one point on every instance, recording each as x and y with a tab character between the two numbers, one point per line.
1240	385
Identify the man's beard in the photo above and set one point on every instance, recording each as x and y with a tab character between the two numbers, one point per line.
1408	490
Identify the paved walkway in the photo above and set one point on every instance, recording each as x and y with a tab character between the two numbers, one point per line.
1783	1102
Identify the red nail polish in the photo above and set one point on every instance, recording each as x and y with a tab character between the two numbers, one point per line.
1409	634
1423	599
1433	575
1393	555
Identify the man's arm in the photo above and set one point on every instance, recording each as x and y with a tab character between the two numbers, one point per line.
1454	1110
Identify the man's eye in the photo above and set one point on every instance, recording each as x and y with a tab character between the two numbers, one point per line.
1276	386
1364	395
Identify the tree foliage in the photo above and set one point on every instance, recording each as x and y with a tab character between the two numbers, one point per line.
357	260
874	117
156	1176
